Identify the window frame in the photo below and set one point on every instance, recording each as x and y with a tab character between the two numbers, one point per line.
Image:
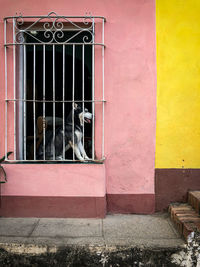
21	43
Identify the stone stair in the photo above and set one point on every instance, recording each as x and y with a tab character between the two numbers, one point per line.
186	216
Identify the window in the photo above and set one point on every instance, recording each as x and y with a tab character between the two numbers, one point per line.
54	88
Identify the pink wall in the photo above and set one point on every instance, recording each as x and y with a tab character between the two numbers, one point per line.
130	111
48	180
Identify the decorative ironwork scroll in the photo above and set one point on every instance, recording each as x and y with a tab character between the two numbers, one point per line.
52	29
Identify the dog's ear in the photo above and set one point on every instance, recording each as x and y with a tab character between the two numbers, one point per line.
75	106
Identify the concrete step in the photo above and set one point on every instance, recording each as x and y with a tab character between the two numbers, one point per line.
185	218
194	200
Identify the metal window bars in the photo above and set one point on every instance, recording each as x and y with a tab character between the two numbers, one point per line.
44	34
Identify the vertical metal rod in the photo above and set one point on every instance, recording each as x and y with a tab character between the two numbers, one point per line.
102	156
63	102
34	98
54	107
6	93
73	87
24	102
14	87
93	96
44	122
20	107
83	91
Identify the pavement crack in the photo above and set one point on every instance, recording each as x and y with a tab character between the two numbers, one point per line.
34	227
172	227
102	230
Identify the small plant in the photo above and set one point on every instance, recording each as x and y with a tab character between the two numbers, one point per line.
4	179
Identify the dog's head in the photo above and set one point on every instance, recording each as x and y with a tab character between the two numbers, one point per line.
80	116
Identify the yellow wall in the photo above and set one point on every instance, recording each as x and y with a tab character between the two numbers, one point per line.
178	84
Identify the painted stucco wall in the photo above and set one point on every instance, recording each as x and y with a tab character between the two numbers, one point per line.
178	101
178	84
130	110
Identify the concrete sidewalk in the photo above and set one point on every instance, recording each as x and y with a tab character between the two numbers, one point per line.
145	230
47	235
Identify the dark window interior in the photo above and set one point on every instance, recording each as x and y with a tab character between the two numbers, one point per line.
58	83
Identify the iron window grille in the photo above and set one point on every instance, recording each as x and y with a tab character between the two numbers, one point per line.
42	51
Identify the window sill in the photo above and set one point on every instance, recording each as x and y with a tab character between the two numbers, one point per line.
53	162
